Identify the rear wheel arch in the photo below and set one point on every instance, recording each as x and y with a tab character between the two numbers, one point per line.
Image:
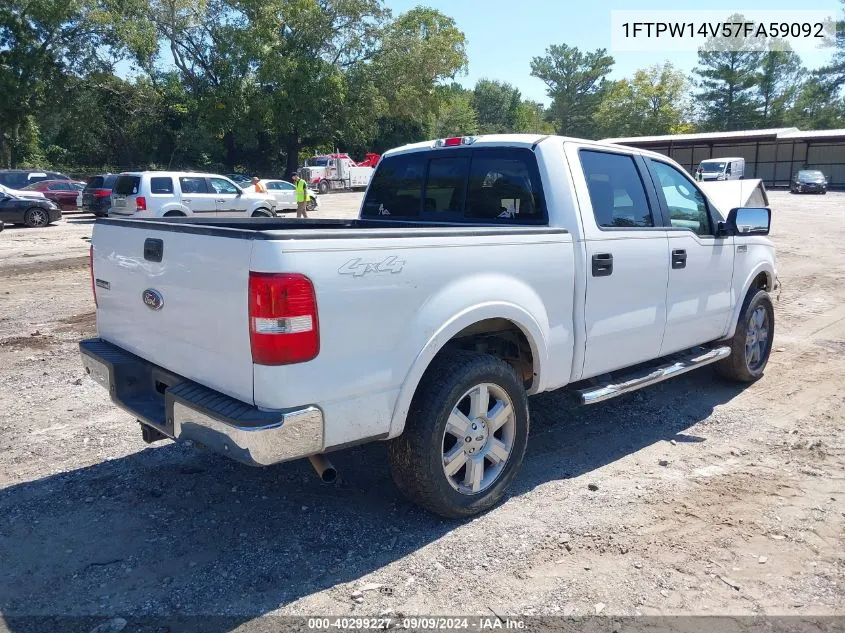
501	326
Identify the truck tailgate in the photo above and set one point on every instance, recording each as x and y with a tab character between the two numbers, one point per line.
187	312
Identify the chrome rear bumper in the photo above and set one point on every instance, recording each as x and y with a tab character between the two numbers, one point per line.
182	410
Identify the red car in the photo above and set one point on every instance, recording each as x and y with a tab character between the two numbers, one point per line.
67	194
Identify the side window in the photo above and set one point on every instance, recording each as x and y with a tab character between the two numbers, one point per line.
161	184
396	188
192	184
223	186
285	186
685	204
446	184
616	190
59	186
505	185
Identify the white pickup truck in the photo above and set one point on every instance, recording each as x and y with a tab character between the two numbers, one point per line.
480	271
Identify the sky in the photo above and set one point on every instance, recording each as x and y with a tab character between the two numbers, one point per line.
503	35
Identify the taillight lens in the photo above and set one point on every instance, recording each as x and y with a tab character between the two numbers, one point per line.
102	193
283	325
91	269
141	203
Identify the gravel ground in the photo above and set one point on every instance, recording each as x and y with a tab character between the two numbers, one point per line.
691	497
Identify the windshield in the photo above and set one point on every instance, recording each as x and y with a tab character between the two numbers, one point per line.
712	168
810	175
319	161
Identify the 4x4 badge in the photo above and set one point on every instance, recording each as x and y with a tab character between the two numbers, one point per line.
358	267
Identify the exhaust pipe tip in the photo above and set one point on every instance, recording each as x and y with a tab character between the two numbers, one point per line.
329	475
324	468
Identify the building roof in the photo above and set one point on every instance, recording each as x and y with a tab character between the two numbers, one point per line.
798	134
789	133
705	136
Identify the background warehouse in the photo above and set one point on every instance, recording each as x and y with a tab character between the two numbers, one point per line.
771	155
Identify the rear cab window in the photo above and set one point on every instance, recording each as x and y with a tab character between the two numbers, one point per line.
126	185
617	192
484	185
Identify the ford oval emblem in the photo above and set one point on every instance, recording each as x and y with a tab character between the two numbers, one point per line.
153	299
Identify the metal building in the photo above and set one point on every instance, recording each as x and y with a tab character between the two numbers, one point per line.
772	155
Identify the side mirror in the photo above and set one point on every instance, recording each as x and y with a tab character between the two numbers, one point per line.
749	221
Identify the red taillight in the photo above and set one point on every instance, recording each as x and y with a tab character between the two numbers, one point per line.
452	142
141	203
283	325
102	193
91	269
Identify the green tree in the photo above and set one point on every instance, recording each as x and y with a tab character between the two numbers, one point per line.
497	105
456	115
816	106
778	83
575	81
43	43
655	101
727	77
532	118
833	75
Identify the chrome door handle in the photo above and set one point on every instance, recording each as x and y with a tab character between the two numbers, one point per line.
220	201
186	200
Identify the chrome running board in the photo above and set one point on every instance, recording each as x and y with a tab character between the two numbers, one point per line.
698	357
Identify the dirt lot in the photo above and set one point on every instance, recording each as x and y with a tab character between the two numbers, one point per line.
748	517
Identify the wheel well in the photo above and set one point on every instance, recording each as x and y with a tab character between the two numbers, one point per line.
171	214
500	338
762	282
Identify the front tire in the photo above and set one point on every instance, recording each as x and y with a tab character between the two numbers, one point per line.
312	205
465	436
751	344
36	217
323	187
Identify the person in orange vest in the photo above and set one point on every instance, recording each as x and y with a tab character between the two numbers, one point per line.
259	186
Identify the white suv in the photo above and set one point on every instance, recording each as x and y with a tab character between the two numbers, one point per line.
155	194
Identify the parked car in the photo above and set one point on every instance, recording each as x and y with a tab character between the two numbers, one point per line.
162	194
67	194
20	178
28	211
96	196
808	181
480	271
240	179
20	193
284	193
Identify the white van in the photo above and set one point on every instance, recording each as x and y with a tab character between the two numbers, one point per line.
156	194
721	169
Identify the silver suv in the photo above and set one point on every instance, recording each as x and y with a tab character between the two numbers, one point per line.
156	194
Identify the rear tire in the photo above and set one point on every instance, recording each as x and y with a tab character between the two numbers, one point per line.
36	217
480	398
262	213
751	344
